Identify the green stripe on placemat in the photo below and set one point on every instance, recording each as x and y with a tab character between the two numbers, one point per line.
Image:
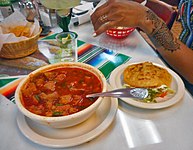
109	66
50	37
6	81
94	51
79	43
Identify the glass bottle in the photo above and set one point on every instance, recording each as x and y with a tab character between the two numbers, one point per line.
63	19
6	8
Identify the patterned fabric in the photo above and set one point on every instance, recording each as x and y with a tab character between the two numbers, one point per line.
186	16
105	60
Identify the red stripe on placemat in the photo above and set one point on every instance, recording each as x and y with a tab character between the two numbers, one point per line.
83	48
9	89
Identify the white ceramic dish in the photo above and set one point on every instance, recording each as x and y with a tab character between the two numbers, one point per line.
61	121
116	81
72	136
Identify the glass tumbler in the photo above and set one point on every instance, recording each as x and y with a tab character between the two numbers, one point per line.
68	47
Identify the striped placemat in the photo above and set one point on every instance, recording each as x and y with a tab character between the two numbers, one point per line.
105	60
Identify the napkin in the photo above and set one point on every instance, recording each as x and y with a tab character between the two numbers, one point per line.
16	19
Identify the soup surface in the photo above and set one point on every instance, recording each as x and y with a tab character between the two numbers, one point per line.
60	92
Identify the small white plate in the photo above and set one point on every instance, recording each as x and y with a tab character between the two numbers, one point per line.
116	82
72	136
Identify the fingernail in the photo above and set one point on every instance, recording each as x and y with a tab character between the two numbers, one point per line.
94	34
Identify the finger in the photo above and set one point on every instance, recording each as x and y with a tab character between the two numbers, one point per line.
101	18
101	21
112	17
111	1
104	27
98	12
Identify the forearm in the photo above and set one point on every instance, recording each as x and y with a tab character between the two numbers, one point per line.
178	55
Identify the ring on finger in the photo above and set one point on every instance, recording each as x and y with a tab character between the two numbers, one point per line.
103	18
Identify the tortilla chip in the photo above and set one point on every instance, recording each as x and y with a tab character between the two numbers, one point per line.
20	31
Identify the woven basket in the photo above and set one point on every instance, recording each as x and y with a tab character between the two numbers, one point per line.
119	33
21	48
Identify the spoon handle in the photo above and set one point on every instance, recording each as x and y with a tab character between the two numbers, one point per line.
139	93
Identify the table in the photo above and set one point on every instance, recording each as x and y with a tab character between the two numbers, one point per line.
133	128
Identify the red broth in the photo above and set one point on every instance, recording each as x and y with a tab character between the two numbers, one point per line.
60	92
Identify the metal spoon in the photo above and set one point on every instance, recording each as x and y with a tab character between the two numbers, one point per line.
139	93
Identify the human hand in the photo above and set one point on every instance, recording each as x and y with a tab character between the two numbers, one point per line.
118	13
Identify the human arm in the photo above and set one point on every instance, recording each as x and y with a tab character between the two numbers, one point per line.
132	14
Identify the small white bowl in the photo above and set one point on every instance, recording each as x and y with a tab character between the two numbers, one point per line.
62	121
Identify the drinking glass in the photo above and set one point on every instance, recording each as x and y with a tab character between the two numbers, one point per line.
63	19
68	48
63	10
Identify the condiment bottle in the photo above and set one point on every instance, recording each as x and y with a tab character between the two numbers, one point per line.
6	8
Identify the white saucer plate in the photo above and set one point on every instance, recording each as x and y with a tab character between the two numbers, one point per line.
72	136
116	82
